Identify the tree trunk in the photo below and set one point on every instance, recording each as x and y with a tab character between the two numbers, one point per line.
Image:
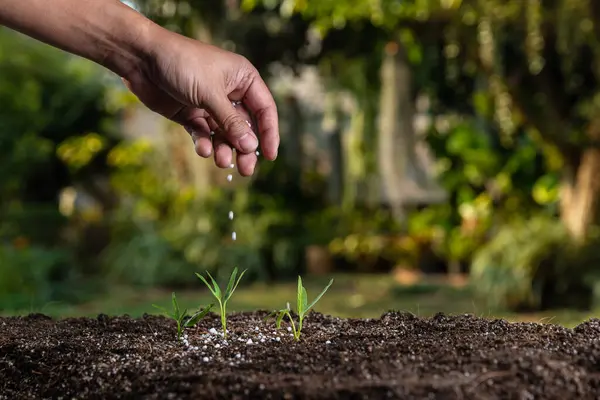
355	159
368	187
580	197
389	167
397	141
292	142
333	131
579	212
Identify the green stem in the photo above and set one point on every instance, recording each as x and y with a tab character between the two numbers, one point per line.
224	318
300	318
296	332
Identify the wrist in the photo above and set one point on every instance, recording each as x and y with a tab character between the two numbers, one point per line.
134	40
108	32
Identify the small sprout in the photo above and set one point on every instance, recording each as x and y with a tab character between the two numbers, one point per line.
302	309
223	297
179	316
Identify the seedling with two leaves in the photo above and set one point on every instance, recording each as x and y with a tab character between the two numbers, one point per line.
223	296
302	309
180	317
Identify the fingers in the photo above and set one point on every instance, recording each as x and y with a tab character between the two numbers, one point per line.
235	128
246	163
200	133
260	102
195	123
199	125
223	152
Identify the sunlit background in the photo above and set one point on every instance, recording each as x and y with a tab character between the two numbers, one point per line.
437	156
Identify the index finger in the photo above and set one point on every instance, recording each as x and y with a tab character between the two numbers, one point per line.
259	101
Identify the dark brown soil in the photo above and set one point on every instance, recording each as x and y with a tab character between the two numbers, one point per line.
396	356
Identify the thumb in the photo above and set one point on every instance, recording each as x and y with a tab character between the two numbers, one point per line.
236	129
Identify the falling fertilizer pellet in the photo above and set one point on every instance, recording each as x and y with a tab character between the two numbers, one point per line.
229	177
231	166
233	235
257	153
231	215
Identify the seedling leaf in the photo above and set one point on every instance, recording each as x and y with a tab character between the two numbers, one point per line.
222	297
231	283
280	318
304	301
271	315
303	308
164	310
175	305
319	296
299	300
176	314
217	289
203	279
235	286
182	315
194	319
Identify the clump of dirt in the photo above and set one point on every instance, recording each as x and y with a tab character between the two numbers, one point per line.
395	356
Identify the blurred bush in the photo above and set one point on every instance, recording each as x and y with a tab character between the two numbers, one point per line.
168	251
36	222
33	276
445	238
529	262
57	121
163	231
364	240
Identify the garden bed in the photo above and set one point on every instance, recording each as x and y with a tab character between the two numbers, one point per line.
396	356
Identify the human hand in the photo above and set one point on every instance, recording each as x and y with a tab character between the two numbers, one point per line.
195	85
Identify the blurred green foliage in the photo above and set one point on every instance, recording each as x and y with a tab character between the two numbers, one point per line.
514	105
53	106
529	262
488	181
32	276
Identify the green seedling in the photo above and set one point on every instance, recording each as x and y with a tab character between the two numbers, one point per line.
180	317
302	309
223	297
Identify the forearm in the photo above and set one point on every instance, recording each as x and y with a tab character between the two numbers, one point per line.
104	31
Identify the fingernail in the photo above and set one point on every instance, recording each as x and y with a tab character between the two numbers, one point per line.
248	143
